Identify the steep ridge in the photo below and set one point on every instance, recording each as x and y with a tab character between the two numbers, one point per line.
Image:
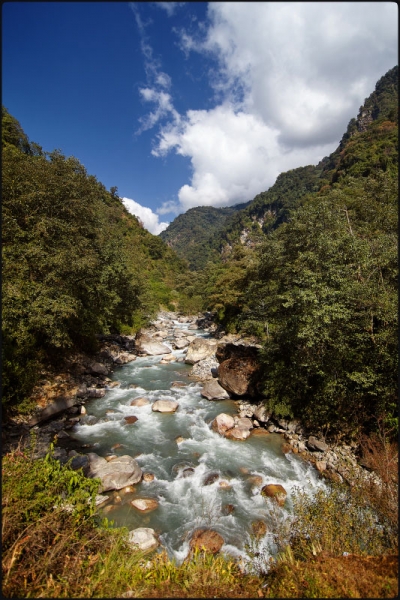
370	142
195	230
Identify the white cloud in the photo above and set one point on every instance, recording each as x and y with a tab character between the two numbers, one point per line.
169	7
234	156
169	207
149	219
288	78
163	104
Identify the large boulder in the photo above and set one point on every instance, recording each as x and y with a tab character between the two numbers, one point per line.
275	491
96	368
222	423
114	474
235	375
237	433
213	391
225	351
200	349
203	370
143	538
206	539
58	406
124	357
245	422
165	406
146	345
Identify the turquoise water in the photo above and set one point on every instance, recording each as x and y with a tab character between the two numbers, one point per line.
185	503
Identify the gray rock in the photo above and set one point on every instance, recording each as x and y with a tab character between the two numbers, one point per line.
96	392
143	537
213	391
222	423
245	422
58	406
124	358
181	343
165	406
115	474
146	345
203	370
97	369
200	349
316	445
237	433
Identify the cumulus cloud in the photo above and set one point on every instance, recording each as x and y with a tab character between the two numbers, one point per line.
234	155
287	79
303	68
149	219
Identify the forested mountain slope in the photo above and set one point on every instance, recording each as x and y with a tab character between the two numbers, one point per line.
192	234
248	224
316	275
75	262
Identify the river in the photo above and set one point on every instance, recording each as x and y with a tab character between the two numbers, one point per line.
185	503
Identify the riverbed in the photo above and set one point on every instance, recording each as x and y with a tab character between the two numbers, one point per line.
202	480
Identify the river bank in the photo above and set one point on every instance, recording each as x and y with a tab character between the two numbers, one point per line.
194	475
61	397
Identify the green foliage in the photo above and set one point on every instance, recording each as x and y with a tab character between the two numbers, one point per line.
75	263
327	288
32	488
192	234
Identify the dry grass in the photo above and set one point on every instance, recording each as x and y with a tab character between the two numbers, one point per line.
335	577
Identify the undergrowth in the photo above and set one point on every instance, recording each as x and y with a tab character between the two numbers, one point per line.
342	543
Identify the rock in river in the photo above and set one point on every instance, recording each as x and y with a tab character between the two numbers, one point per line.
145	344
141	401
222	423
237	433
207	539
145	504
275	490
116	473
165	406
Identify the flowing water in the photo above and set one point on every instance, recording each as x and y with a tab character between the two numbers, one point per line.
185	503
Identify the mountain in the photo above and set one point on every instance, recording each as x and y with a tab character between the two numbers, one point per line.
361	150
192	234
319	287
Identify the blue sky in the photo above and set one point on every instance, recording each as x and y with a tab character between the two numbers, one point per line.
187	104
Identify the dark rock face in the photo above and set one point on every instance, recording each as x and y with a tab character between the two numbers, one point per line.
237	372
60	405
236	375
231	350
